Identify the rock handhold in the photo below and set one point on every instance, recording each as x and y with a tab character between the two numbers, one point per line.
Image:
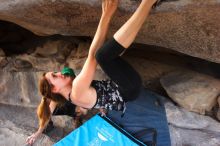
20	64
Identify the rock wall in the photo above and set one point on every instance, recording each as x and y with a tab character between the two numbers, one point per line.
187	26
19	96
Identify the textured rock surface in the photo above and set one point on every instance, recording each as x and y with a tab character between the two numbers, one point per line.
191	129
13	136
19	96
218	113
16	124
187	26
187	137
19	88
3	60
65	122
196	92
182	118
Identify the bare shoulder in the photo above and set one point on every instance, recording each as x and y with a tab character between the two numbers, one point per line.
76	86
85	97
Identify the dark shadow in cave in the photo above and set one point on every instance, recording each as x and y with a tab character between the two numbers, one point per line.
175	58
15	39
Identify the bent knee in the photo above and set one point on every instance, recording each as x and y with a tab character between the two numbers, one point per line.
100	56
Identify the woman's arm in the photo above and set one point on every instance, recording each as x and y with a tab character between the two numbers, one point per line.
31	139
108	9
82	82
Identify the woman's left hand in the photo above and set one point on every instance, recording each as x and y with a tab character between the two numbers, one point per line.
109	7
31	139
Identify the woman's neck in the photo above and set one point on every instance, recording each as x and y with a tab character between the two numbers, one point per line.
65	92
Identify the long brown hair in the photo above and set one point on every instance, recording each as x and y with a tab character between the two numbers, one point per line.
43	110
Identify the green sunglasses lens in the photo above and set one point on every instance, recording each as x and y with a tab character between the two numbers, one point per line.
67	71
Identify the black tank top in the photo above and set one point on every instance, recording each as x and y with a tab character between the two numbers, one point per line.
108	95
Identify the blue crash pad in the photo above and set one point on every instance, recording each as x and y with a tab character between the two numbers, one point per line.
99	131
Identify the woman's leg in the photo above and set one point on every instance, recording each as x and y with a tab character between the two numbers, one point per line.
118	70
127	33
113	65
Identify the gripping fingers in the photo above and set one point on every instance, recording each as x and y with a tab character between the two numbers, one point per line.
109	7
31	139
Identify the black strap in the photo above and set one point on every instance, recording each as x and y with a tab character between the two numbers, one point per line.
69	99
131	137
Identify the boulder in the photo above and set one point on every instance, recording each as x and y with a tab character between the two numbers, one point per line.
17	123
190	137
182	118
57	49
50	56
194	91
187	26
13	135
189	128
19	95
19	88
77	57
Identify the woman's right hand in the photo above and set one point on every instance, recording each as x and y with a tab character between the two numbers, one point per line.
109	7
31	139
